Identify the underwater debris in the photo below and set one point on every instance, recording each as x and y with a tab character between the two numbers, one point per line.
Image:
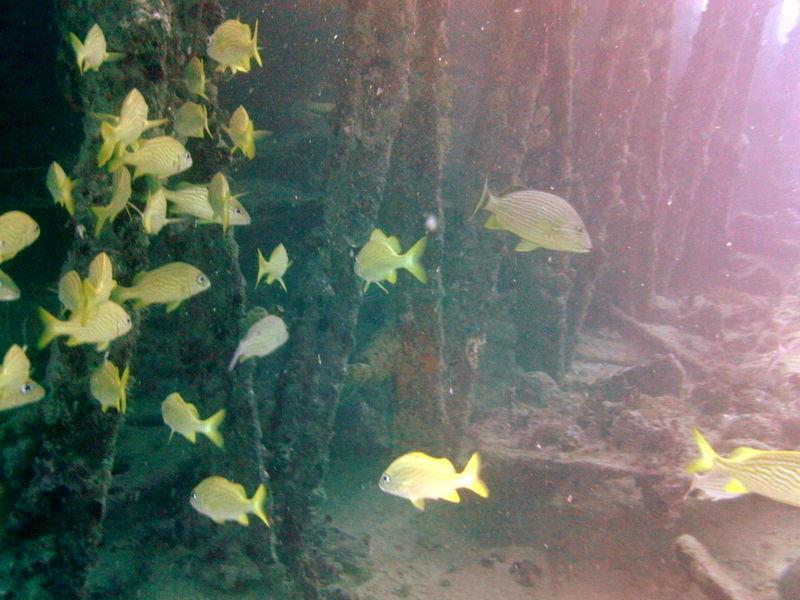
380	258
417	477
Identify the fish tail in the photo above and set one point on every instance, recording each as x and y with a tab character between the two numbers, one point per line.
121	294
259	498
80	52
707	457
486	195
211	430
414	265
113	56
108	145
234	360
100	213
256	55
472	476
50	325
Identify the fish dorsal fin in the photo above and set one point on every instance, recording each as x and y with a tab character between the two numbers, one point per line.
16	367
734	486
193	410
378	236
743	453
441	463
418	503
393	243
70	290
452	496
511	188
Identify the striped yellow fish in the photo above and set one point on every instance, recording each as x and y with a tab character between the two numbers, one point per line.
220	199
191	120
274	268
194	78
263	338
109	387
16	386
92	52
232	47
771	473
161	157
120	195
380	258
60	187
17	232
710	486
154	216
419	477
541	219
223	500
243	133
169	284
121	132
8	289
182	417
190	199
107	322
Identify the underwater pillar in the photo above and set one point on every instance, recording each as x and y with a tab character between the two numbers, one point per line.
374	90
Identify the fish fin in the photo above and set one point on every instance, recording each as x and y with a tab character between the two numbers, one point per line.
734	486
492	223
486	195
283	285
472	476
392	277
104	408
123	389
171	433
378	283
418	503
260	134
77	46
173	305
743	453
101	347
263	267
243	520
378	236
452	496
259	498
49	333
393	243
211	430
414	265
707	457
191	436
525	246
255	53
100	213
109	144
234	360
113	56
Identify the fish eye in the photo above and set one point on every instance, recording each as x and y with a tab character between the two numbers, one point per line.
237	211
580	229
385	478
194	495
201	279
127	320
26	388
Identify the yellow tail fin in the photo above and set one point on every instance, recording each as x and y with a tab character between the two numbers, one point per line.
705	462
414	265
80	53
472	476
109	144
123	391
259	498
49	333
211	430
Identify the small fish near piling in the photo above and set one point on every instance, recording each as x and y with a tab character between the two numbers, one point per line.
222	500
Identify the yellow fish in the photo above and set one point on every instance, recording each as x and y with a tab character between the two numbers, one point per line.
107	322
60	187
192	200
419	477
16	386
220	199
541	219
263	338
161	157
82	297
222	500
243	133
70	292
17	232
194	78
127	128
109	388
275	267
8	289
771	473
232	47
182	417
191	120
380	258
169	284
154	217
120	195
92	52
